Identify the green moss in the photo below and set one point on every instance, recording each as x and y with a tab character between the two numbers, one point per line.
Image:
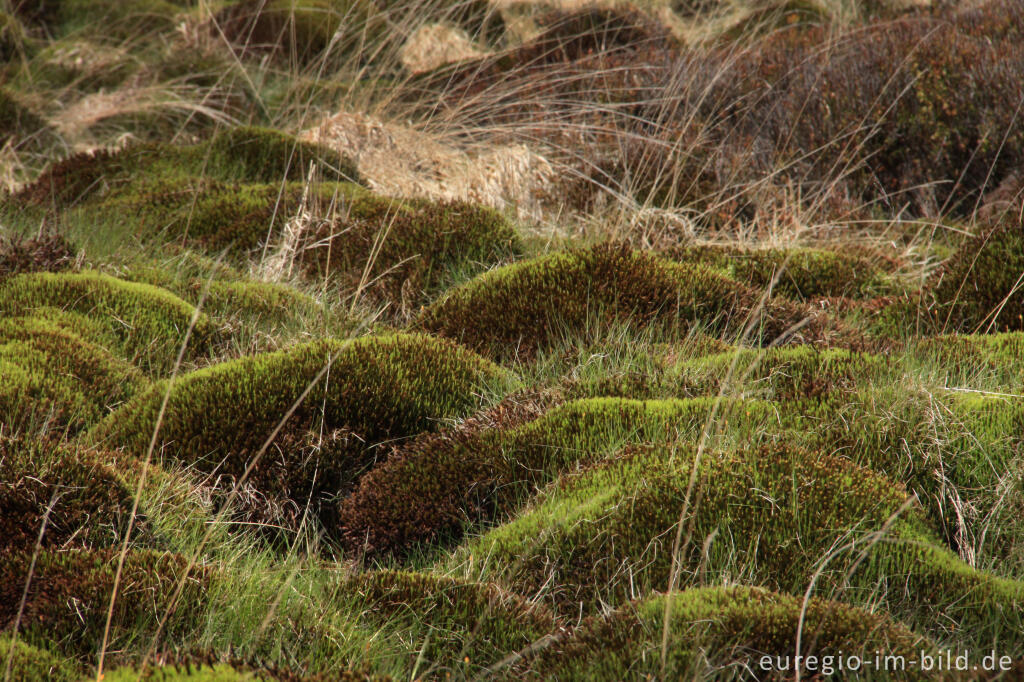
607	534
69	595
80	493
148	323
392	251
798	273
974	356
238	154
515	310
429	489
56	380
769	513
376	388
471	625
796	373
196	673
978	288
960	453
32	664
715	630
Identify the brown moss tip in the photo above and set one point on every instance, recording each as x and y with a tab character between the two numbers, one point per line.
69	594
79	493
44	253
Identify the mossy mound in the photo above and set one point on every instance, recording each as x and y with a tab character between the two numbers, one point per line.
725	630
391	251
255	315
998	355
796	373
32	664
79	493
469	624
117	19
979	288
800	274
959	453
145	324
607	534
429	489
516	310
362	392
69	595
54	380
238	154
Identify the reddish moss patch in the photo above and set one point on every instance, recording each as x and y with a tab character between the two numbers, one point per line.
46	253
69	595
79	493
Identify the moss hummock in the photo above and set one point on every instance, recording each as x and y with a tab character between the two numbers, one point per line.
516	310
980	288
81	495
800	274
721	629
146	325
55	380
606	535
362	392
429	489
69	595
239	154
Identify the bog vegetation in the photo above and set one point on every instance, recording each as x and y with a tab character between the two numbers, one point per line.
475	339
